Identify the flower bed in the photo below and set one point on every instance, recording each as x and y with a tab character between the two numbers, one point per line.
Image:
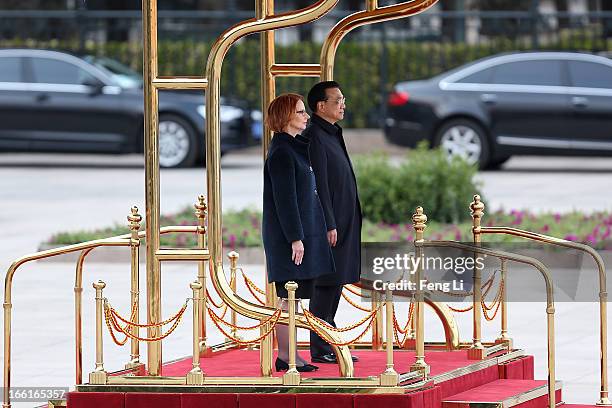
242	229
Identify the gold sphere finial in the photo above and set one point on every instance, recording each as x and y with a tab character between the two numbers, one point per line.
419	218
291	286
99	285
201	208
233	256
134	219
195	285
477	207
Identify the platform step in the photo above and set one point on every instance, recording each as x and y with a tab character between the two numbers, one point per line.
504	394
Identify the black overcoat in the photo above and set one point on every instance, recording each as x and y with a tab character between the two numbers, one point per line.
292	212
337	188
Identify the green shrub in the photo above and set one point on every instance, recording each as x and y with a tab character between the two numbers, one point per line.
390	192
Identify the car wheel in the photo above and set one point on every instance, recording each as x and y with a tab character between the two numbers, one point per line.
177	142
466	139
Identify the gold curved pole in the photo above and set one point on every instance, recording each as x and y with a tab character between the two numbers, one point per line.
213	73
78	325
254	311
550	305
373	14
213	170
603	294
445	314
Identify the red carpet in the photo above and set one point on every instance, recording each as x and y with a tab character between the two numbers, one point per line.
245	363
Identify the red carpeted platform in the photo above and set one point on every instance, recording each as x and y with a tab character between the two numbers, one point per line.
240	363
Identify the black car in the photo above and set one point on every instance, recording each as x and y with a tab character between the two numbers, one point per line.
530	103
52	101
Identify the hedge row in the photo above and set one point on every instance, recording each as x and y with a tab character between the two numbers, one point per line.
358	66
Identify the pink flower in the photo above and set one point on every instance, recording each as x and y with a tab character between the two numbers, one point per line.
571	237
545	228
557	217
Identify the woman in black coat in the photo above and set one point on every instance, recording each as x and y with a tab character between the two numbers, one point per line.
293	227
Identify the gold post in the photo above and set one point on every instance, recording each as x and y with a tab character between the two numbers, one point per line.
99	375
151	142
264	9
377	325
292	376
550	327
201	211
419	220
233	258
134	224
503	335
389	377
603	340
196	375
477	351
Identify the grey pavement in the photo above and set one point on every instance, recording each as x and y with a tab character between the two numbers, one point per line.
44	194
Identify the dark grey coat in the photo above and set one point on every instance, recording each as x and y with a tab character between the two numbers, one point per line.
337	188
292	212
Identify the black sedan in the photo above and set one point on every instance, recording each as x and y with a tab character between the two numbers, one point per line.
530	103
52	101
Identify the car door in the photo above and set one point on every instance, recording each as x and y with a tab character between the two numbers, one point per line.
528	105
73	110
14	101
591	98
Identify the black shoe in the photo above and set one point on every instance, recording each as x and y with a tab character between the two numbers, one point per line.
325	359
281	365
330	359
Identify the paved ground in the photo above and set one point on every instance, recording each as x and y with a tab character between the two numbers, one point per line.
43	194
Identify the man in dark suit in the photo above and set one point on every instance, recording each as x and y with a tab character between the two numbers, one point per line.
337	190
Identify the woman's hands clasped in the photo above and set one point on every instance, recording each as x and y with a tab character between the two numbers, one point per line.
297	249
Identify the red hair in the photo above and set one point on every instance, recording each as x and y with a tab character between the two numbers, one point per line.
281	109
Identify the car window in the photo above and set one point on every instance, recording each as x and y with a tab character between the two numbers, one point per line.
51	71
590	74
546	72
480	77
10	69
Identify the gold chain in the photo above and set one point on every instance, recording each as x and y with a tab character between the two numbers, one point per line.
130	323
355	305
310	316
112	317
242	341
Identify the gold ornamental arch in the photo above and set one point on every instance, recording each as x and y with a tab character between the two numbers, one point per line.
265	22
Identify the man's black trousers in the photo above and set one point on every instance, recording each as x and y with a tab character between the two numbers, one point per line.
323	304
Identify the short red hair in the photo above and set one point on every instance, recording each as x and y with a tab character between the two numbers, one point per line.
281	109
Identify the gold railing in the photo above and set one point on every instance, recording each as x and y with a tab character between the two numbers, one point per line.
550	306
478	206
